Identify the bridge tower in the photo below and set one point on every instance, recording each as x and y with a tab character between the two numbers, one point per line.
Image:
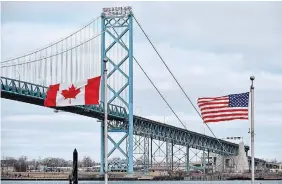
117	47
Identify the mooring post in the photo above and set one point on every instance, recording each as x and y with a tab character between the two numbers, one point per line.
74	172
70	179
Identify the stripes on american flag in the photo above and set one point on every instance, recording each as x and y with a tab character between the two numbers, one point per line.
224	108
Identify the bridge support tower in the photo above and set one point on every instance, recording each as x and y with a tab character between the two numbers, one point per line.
117	47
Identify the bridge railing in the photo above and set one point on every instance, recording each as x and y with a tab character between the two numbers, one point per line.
178	136
21	88
28	92
73	58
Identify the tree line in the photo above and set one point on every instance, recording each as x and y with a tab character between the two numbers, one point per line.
22	164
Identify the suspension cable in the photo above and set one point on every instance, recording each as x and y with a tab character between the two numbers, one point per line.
59	53
176	80
50	45
52	55
154	86
160	94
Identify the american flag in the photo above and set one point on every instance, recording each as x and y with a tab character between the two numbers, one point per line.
224	108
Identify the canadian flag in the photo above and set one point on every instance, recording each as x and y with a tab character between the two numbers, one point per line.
68	94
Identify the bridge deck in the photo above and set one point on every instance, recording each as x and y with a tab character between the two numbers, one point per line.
35	94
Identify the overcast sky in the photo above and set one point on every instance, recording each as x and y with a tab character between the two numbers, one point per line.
212	48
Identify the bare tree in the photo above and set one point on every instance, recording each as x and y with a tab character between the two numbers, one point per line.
94	163
87	162
21	164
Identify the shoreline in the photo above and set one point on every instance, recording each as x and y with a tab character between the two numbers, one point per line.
132	179
94	176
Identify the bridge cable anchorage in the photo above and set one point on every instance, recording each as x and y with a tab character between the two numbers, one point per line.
56	54
155	87
52	44
176	80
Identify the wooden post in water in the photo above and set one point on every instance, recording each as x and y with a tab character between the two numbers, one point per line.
74	167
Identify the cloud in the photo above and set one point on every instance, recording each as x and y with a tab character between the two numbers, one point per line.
67	117
211	48
30	38
223	24
195	67
45	142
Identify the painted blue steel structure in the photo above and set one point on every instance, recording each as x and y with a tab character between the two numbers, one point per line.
35	94
103	55
119	29
109	24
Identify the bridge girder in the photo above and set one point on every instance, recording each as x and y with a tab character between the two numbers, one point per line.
35	94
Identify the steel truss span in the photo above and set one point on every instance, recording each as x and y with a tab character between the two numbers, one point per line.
35	94
144	144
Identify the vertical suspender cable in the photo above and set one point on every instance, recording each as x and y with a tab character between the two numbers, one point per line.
30	70
83	55
40	67
45	67
76	62
67	62
35	68
71	73
62	60
89	54
25	69
81	61
51	65
57	64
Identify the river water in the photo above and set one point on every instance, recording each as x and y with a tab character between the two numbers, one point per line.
144	182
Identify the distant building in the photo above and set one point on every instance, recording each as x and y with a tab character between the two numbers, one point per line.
41	168
240	163
7	165
158	171
274	167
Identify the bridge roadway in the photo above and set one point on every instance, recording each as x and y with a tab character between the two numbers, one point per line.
35	94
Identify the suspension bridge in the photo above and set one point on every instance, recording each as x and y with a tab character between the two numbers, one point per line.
79	56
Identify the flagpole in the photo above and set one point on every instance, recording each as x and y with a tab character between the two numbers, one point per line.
252	78
105	122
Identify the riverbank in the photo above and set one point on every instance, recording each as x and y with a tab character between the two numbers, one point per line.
95	176
83	176
234	176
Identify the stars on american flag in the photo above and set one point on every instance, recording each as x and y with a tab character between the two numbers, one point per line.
239	100
224	108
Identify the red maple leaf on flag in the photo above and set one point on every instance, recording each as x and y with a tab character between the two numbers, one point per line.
71	92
